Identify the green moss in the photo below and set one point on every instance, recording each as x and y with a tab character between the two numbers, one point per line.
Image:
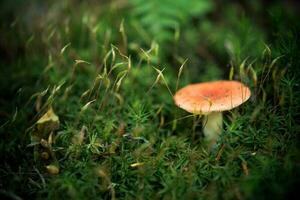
120	134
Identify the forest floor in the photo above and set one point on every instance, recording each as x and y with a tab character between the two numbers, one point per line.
87	108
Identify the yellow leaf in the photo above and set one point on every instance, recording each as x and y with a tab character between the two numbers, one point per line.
47	123
138	164
52	169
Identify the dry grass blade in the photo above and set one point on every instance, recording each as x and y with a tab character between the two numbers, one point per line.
180	72
64	48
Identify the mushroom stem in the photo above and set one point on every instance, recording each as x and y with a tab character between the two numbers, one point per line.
212	126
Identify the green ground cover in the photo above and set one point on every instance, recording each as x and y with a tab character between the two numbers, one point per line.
105	72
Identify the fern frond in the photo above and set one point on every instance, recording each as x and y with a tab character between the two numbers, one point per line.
160	18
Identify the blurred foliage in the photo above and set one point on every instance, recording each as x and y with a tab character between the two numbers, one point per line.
162	20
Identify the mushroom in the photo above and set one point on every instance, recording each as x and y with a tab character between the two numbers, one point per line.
210	99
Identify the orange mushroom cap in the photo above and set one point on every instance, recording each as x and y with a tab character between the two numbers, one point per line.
215	96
